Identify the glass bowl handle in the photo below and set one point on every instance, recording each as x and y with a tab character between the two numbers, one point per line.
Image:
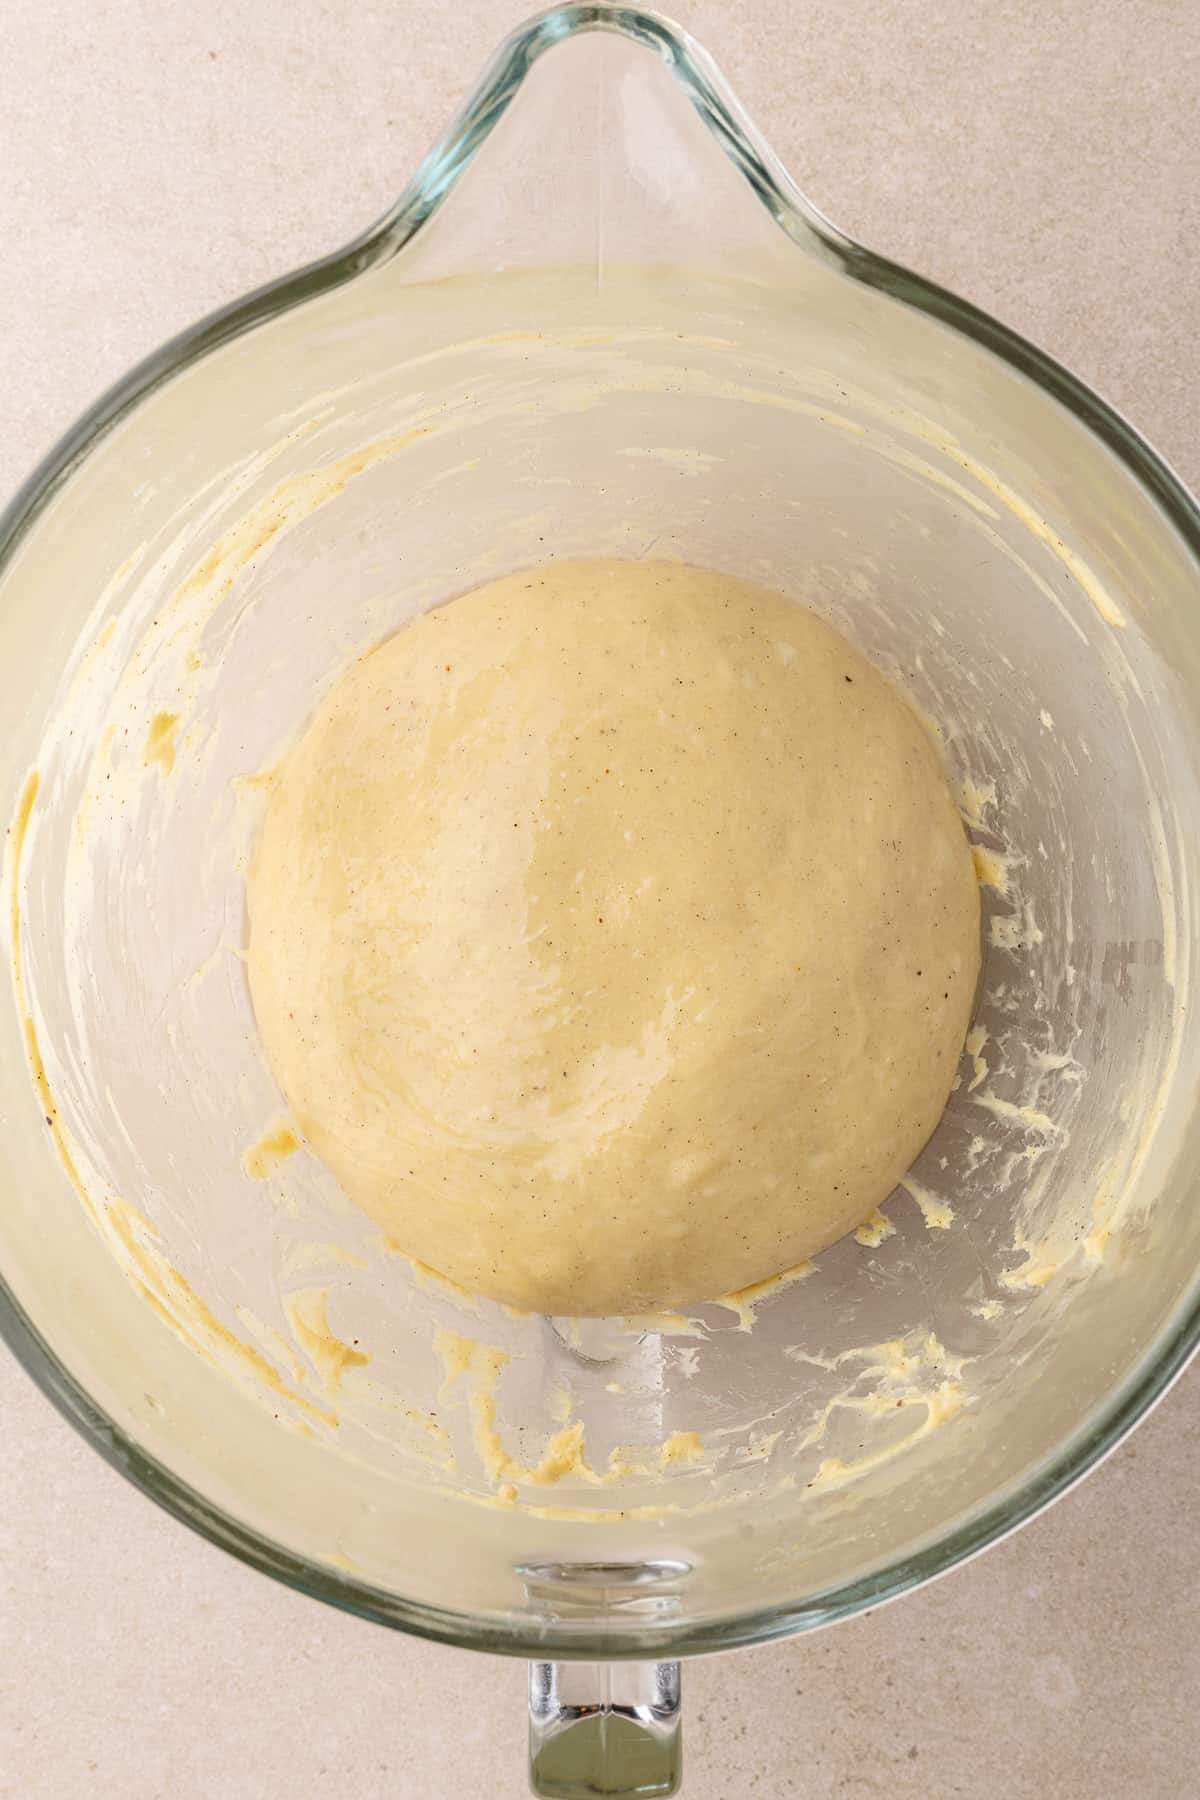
604	1729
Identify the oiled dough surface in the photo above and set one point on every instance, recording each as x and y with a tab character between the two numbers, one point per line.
613	936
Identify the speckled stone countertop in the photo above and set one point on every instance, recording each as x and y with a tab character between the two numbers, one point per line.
159	159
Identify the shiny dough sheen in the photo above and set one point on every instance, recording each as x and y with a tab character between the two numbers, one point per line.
613	936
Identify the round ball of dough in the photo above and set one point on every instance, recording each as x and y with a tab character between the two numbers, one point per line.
613	936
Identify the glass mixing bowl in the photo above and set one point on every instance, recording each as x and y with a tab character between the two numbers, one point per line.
600	321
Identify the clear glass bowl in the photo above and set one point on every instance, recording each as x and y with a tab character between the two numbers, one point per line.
601	320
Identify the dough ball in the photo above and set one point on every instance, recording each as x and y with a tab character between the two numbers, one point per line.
614	936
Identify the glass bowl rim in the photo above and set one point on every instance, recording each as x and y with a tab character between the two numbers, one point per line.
774	189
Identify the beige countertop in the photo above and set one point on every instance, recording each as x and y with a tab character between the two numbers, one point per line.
159	159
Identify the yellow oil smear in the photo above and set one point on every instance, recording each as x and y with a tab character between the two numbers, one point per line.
41	1082
337	1559
1080	571
937	1214
161	741
165	1290
259	780
940	1406
948	446
430	1442
667	1324
873	1405
1104	1209
79	825
652	1510
1115	1192
213	961
977	1037
1037	1269
103	637
681	1447
684	461
16	834
978	797
457	1356
934	477
1045	1255
1027	1118
1052	1062
991	868
273	1148
304	1257
564	1455
177	1303
759	1448
524	335
15	848
507	1499
1016	931
875	1229
1084	577
307	1315
293	499
431	1279
744	1301
270	1341
930	726
1164	881
899	1365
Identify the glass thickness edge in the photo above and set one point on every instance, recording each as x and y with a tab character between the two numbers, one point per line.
434	179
